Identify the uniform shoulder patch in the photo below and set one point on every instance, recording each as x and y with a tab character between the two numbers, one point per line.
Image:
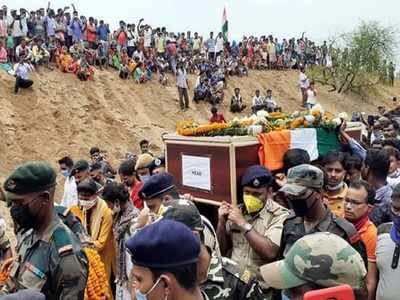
62	241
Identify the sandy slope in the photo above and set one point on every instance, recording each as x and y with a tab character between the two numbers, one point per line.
62	115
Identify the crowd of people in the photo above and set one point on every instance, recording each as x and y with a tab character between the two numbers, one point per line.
73	43
309	226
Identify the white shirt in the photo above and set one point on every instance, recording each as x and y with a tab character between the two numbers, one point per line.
181	78
147	37
70	196
219	45
303	81
258	100
311	98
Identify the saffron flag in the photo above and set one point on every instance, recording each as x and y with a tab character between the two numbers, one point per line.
316	141
225	26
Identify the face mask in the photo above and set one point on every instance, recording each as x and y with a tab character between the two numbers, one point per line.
23	217
66	173
144	178
252	204
87	204
141	296
335	187
300	207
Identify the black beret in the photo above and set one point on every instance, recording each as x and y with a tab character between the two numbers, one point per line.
164	244
157	185
157	163
31	177
185	212
88	186
79	166
257	176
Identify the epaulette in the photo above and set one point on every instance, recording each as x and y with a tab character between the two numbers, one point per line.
61	210
62	241
385	228
351	232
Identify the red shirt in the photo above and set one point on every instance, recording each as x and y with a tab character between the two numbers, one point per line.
137	202
218	118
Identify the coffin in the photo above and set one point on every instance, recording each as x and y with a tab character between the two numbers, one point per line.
210	168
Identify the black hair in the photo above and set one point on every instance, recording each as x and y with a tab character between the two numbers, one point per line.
358	184
214	110
378	163
114	191
295	157
186	275
96	166
66	160
143	142
391	142
392	151
353	162
334	156
94	150
127	167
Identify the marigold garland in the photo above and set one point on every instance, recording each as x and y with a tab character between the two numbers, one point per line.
97	283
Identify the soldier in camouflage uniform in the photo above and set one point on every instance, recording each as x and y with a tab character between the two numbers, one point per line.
317	261
50	259
304	192
220	277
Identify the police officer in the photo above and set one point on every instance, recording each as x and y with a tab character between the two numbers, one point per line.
252	232
304	191
50	259
317	261
157	166
219	276
168	274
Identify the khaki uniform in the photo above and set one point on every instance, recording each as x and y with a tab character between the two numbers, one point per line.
269	223
52	263
225	280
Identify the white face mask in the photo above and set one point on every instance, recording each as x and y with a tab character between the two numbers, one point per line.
87	204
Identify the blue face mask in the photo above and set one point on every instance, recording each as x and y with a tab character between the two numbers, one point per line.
141	296
144	178
66	173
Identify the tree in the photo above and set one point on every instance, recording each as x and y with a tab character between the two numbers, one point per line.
360	59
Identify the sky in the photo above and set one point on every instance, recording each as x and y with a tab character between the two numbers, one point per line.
320	19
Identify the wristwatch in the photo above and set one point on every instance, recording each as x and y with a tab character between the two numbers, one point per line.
246	228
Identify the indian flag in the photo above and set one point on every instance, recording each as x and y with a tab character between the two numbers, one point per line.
225	25
316	141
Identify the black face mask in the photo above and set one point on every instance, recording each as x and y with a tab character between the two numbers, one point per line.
300	206
23	217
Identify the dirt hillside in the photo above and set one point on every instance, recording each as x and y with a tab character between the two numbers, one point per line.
62	115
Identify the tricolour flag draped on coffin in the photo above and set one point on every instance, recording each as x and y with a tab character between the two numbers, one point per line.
316	141
225	25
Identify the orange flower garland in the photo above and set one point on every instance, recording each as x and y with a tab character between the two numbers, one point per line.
97	283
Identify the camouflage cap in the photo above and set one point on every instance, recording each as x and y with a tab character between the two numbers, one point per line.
31	177
185	212
301	177
322	258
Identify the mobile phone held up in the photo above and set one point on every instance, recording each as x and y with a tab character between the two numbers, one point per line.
342	292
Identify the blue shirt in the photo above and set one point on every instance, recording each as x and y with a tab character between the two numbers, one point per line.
103	32
22	71
211	45
381	210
